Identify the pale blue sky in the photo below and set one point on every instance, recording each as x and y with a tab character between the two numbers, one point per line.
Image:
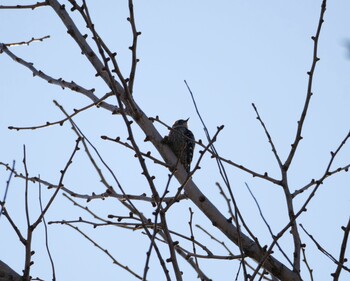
232	53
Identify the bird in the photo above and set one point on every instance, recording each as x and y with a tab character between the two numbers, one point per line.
182	142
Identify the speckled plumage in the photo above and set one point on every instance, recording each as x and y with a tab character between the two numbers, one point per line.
181	141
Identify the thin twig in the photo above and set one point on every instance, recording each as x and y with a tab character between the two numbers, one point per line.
59	82
128	104
268	136
93	196
2	204
171	246
155	230
315	59
215	239
15	44
60	184
105	251
32	6
47	237
14	226
315	182
267	224
192	238
342	258
327	173
126	201
61	122
133	48
28	244
323	251
127	145
306	263
26	201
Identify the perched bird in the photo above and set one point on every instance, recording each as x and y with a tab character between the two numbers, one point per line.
181	141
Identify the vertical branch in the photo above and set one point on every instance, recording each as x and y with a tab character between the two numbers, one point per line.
28	241
155	232
192	238
133	48
342	258
170	244
26	186
307	264
31	228
298	136
47	237
292	219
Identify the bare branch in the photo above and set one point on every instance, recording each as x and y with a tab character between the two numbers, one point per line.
342	258
61	122
82	43
267	224
30	6
127	145
2	204
105	251
298	136
16	44
327	172
192	238
59	82
133	47
26	186
60	184
14	226
306	263
264	176
323	251
170	243
215	239
268	136
47	237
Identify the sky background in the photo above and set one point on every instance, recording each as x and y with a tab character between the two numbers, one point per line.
232	54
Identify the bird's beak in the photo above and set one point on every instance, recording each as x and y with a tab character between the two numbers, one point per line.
187	119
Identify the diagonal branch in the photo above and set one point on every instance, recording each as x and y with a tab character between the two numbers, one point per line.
2	203
328	171
59	82
298	136
324	251
268	136
105	251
